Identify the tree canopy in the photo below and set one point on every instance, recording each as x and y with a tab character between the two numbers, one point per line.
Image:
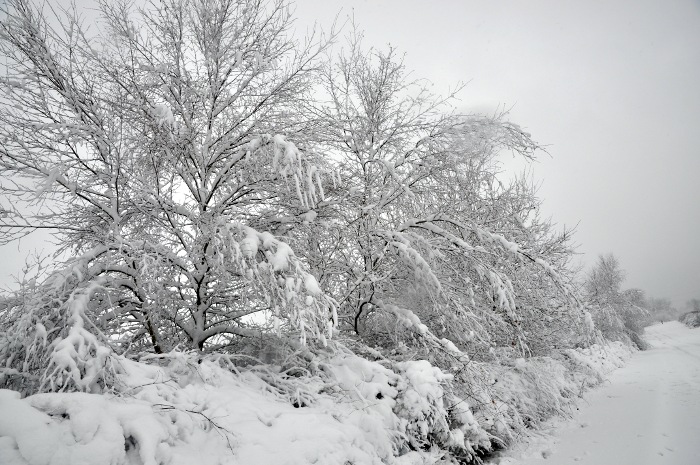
215	181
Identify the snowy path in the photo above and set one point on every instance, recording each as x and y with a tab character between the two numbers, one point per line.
647	414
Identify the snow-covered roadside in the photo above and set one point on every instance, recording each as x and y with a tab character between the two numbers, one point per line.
646	414
198	411
348	409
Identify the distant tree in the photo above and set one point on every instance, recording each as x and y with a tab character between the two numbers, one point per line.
661	310
692	315
617	313
604	281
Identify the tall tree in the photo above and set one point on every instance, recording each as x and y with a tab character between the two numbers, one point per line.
149	151
421	232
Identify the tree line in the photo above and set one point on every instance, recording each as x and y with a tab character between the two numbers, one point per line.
217	184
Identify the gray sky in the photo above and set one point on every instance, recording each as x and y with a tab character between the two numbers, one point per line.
611	87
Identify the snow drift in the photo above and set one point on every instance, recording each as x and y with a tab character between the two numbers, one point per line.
335	407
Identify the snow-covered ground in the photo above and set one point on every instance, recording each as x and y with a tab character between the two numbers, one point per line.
648	413
178	409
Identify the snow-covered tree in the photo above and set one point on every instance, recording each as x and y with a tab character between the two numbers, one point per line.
691	317
419	231
160	154
604	281
151	152
618	314
221	193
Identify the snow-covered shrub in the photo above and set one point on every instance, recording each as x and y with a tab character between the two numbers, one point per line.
690	319
434	415
174	408
623	323
590	365
534	389
516	395
49	342
413	403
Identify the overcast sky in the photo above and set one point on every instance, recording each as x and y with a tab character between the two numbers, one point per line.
611	87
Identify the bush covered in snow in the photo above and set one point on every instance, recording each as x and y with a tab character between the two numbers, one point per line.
331	407
691	319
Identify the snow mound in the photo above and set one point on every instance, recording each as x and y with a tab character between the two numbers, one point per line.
515	397
181	409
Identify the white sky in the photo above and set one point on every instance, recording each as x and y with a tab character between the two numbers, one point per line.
611	87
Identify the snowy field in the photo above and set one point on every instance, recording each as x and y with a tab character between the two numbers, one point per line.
647	414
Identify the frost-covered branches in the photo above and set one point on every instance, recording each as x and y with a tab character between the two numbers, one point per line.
421	221
228	199
50	341
218	181
152	142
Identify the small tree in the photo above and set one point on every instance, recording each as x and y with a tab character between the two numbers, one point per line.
618	314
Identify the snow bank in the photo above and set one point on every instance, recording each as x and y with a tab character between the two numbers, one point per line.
350	410
79	428
336	407
591	365
518	395
179	420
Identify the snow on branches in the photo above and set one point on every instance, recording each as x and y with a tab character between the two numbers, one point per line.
226	199
161	154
